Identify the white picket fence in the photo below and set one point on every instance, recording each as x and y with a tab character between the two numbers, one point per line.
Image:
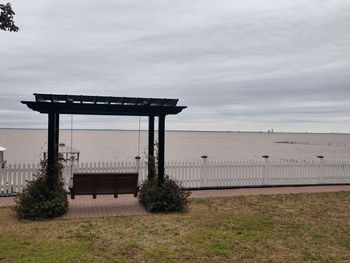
201	174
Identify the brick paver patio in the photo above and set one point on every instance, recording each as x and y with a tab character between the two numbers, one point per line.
106	205
103	205
86	206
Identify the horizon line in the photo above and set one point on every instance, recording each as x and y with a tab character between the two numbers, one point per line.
222	131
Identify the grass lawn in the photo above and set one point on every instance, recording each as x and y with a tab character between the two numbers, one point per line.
288	228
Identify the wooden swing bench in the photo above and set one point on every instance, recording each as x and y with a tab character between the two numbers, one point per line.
104	184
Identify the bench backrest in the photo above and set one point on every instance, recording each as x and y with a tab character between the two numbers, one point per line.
105	183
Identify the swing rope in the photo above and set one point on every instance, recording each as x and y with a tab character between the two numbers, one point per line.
71	139
138	141
71	147
71	135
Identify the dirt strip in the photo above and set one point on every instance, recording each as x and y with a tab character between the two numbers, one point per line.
269	191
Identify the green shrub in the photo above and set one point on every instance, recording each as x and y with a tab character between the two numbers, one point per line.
169	197
45	196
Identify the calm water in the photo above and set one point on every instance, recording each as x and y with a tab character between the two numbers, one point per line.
28	145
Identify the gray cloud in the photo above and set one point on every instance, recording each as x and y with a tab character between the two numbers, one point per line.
237	65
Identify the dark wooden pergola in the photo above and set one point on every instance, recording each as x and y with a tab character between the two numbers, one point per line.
56	104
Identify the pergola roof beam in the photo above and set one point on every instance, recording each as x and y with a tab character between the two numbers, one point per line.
103	105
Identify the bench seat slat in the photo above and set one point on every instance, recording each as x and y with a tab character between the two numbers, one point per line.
104	183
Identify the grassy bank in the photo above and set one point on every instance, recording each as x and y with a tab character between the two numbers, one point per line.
289	228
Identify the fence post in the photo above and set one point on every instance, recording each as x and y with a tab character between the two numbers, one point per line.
266	171
2	179
137	158
204	170
2	171
321	172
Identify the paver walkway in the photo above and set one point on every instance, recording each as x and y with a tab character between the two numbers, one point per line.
106	205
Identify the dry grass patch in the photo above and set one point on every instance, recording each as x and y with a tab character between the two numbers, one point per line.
288	228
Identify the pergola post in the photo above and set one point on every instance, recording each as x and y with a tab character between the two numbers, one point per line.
151	160
161	148
52	141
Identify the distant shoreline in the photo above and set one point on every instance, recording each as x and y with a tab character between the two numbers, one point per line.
257	132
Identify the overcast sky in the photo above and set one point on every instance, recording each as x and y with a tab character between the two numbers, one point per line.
236	64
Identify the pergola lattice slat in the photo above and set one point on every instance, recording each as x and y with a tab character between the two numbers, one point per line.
85	99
